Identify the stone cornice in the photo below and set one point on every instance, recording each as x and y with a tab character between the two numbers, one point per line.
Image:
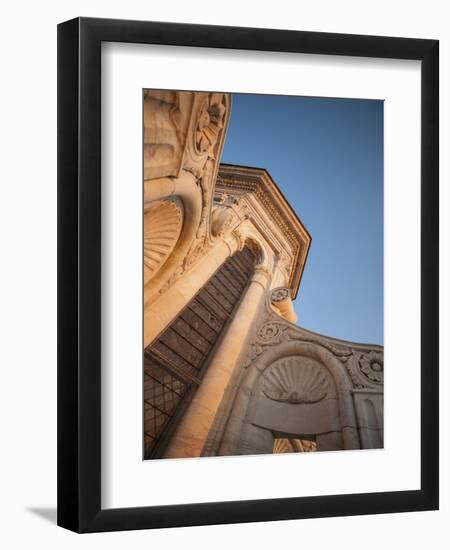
258	183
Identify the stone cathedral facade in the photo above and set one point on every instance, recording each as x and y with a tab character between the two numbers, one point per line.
227	371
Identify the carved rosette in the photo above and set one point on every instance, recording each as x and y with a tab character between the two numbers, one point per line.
295	380
163	221
371	366
280	294
270	332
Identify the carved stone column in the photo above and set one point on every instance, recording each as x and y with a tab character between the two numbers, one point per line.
193	430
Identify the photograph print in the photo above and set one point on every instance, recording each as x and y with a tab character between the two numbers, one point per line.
262	274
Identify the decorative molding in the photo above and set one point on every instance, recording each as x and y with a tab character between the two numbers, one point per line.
197	250
364	366
207	135
290	241
239	239
167	116
293	445
210	123
171	280
272	333
363	375
202	144
262	270
371	366
280	294
282	445
223	221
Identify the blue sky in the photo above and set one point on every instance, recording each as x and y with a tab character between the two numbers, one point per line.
326	155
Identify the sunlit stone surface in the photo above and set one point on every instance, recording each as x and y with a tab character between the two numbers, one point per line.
226	369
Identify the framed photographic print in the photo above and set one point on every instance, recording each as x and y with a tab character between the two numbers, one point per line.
248	235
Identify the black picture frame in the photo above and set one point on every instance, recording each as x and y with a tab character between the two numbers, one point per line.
79	274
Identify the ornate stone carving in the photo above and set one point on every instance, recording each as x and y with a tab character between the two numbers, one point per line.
295	380
285	263
281	301
223	221
269	332
291	241
184	132
291	445
253	352
223	198
340	352
209	123
166	121
261	271
282	445
274	332
181	130
280	294
175	275
163	221
371	366
365	368
355	374
304	445
198	249
239	239
206	139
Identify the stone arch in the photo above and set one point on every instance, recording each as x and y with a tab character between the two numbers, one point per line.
243	435
258	250
301	348
249	237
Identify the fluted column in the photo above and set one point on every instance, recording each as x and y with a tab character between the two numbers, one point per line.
192	431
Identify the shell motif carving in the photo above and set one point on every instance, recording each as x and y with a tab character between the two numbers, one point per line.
295	380
282	445
285	445
163	221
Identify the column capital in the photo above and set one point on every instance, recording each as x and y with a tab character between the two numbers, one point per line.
262	275
234	241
